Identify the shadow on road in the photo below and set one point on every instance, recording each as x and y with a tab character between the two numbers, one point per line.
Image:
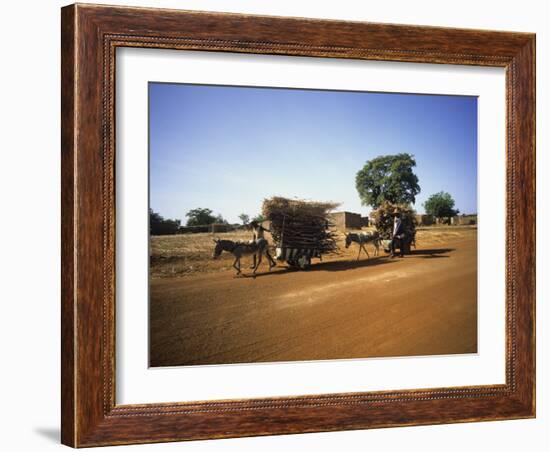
331	266
336	266
433	253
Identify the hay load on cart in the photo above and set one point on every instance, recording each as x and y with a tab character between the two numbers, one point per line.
383	221
300	229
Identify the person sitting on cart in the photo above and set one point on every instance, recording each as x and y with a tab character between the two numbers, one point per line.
258	237
398	234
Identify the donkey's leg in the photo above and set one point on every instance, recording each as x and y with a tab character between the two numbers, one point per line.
253	261
272	262
366	251
237	267
359	254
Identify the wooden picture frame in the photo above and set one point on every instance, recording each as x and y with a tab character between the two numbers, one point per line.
90	36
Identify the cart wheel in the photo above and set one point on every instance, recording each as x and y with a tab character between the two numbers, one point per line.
304	262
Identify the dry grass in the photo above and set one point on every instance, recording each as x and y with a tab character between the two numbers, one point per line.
189	254
444	234
182	254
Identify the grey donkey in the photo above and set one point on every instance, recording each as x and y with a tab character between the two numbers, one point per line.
239	249
362	239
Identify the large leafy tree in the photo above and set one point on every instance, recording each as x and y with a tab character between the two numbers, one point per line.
201	216
388	178
440	205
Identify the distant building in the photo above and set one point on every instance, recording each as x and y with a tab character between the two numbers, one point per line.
193	229
464	220
459	220
215	227
348	220
220	227
425	220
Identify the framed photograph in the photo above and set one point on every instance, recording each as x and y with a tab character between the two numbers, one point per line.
281	225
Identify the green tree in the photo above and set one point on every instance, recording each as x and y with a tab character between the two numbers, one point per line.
161	226
200	217
440	205
244	218
388	178
259	218
220	220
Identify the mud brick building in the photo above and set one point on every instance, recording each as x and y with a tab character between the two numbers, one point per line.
348	220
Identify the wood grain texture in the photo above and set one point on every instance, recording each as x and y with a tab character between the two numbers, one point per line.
67	226
90	36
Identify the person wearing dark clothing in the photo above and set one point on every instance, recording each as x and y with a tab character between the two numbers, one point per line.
398	235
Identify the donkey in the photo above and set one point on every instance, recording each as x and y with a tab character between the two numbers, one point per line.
240	249
362	239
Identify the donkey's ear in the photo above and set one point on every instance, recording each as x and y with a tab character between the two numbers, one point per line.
215	240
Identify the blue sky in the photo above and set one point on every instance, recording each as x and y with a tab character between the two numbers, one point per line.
228	148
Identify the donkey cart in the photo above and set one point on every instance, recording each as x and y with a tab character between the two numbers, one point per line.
297	257
407	242
300	229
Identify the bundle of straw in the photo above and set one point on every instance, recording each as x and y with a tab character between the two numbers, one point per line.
300	224
383	219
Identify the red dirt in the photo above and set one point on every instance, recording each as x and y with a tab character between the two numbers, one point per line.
423	304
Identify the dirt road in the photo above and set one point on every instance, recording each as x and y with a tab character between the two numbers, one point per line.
423	304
